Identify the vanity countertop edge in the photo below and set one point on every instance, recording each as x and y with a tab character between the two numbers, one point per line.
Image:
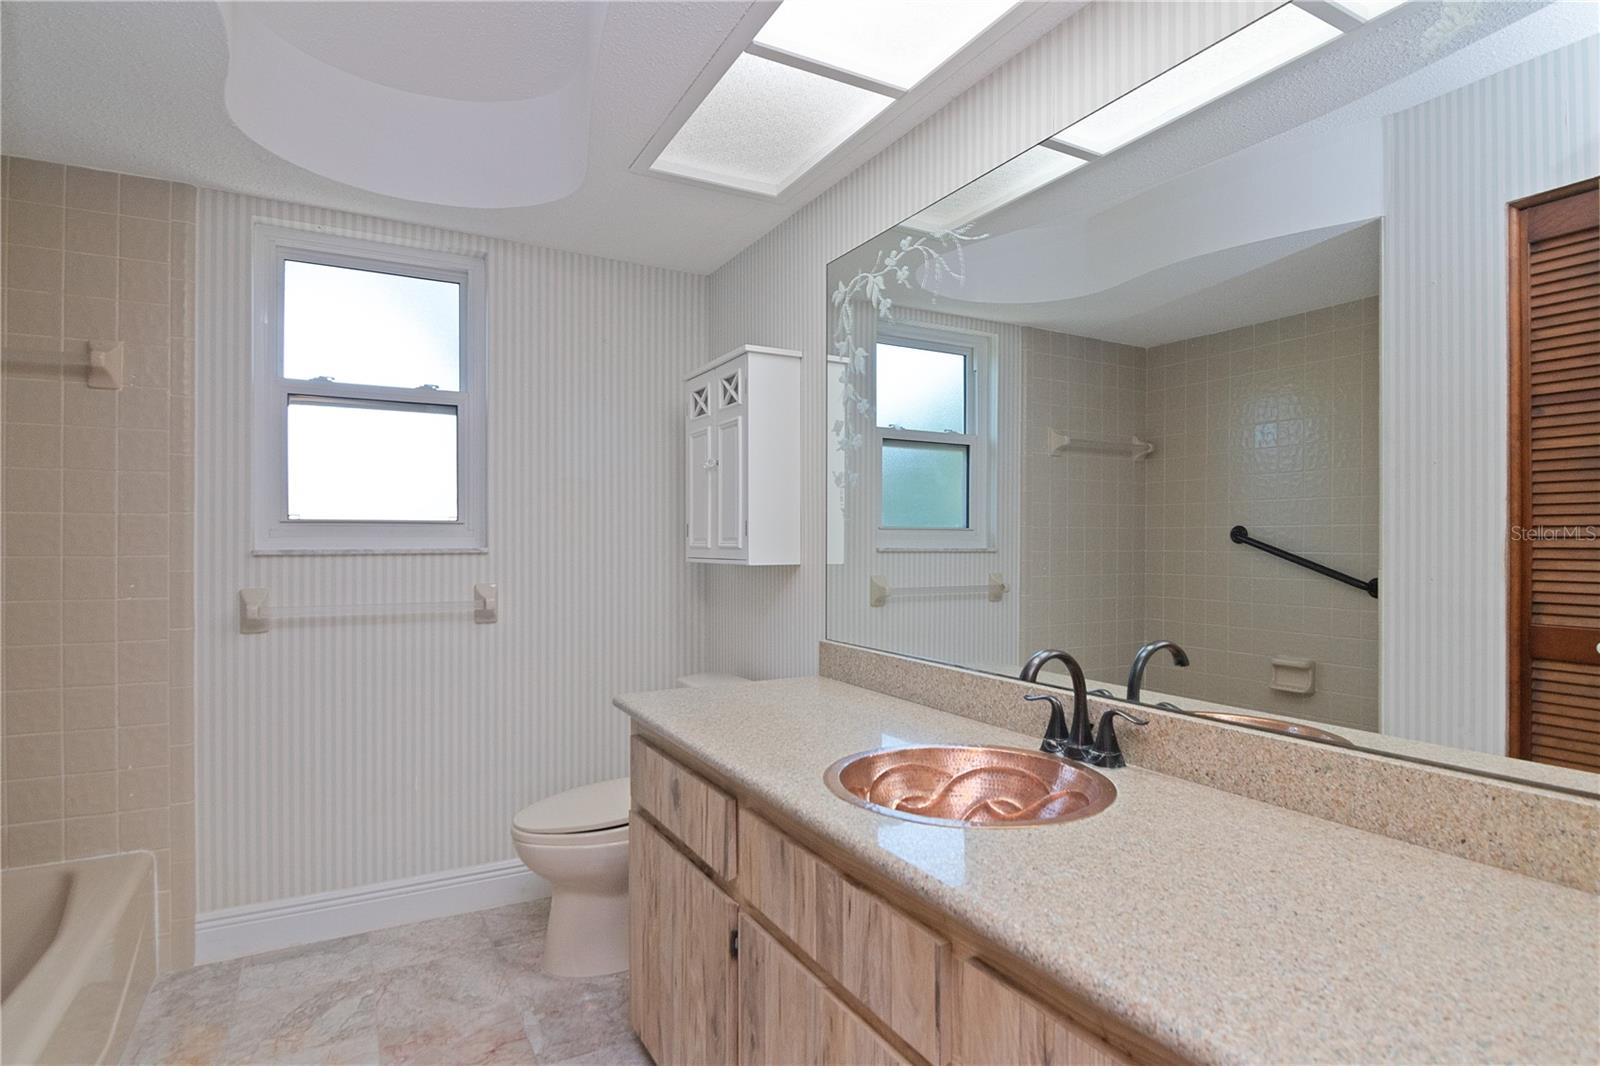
1226	929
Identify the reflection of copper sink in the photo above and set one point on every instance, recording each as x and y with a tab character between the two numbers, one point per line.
1276	725
988	786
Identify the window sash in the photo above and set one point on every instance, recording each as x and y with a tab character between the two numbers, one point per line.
275	532
978	349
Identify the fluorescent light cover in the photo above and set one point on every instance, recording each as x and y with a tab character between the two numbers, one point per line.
764	124
1012	180
1367	10
1267	43
896	42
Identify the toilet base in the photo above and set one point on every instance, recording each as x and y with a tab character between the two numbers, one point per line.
588	933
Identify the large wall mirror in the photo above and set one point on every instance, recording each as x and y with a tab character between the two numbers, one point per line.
1290	357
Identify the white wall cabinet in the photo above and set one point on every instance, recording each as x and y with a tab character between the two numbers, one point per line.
742	450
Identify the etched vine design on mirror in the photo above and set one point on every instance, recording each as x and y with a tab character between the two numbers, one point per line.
915	262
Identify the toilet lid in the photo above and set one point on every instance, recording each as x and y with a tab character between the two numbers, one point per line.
602	805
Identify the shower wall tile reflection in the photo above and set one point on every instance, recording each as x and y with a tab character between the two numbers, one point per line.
1272	426
1083	514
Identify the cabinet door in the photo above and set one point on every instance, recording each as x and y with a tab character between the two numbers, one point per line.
683	993
730	479
786	1015
996	1025
701	487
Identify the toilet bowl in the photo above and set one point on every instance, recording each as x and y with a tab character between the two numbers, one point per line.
578	842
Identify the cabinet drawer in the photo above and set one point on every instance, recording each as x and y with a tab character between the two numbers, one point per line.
997	1025
703	817
787	1015
886	960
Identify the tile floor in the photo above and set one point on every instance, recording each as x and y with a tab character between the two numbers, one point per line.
463	989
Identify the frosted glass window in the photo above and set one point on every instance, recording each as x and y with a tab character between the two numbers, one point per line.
924	485
366	327
367	463
921	389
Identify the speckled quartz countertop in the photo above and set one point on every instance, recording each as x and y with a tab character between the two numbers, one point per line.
1229	930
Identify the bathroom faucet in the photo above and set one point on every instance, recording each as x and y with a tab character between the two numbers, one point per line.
1142	658
1060	739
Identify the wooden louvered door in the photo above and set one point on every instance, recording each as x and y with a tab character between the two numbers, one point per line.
1555	477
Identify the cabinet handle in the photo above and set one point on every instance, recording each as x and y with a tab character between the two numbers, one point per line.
709	464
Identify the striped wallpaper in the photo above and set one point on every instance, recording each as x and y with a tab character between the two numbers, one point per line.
1452	164
343	752
766	623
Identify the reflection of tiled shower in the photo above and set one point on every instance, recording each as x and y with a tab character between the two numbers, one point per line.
1083	514
1273	426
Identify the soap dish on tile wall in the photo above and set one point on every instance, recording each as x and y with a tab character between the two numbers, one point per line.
1295	676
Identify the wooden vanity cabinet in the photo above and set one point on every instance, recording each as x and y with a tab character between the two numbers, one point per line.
748	947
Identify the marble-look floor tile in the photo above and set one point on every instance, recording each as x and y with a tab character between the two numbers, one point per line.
458	990
628	1053
518	922
186	1016
326	962
323	1023
409	946
444	1037
574	1017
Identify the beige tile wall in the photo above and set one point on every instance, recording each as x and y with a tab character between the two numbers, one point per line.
98	531
1275	427
1083	513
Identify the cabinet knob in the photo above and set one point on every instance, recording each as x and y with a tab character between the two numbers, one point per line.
709	464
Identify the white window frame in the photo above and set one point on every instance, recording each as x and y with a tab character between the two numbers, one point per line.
978	348
275	533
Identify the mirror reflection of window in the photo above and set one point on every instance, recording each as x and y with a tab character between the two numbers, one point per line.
930	428
924	391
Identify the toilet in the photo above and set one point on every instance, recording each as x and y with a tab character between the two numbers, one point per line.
578	842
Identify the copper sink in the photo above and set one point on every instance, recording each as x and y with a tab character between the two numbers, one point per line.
970	786
1276	725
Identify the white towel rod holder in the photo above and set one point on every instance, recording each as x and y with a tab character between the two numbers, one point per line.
1058	443
879	590
257	613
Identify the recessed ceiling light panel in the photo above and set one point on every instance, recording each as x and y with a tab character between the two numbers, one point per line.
1367	10
895	42
1266	44
1033	169
764	124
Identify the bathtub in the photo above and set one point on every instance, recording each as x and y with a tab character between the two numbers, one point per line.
77	955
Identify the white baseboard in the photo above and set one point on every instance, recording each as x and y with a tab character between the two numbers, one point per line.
249	930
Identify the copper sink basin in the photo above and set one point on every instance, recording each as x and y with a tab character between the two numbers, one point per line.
970	786
1276	725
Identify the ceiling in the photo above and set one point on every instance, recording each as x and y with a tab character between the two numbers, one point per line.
138	87
1259	206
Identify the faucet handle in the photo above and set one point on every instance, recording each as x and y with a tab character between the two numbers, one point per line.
1070	742
1055	734
1106	751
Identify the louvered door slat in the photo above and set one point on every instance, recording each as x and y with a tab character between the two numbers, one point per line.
1555	472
